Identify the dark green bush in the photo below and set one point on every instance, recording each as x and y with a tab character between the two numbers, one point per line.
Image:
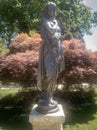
20	99
77	97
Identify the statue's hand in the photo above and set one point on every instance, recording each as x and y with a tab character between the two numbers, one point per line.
58	59
56	36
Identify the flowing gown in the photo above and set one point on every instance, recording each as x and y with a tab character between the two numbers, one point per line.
51	59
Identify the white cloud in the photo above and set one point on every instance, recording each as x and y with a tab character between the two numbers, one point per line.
91	3
91	41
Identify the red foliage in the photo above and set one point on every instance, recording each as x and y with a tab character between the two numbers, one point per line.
80	63
20	67
76	55
2	57
73	44
23	42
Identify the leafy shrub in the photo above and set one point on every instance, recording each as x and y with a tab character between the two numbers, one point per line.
21	64
22	42
79	97
20	99
3	47
80	63
73	44
76	97
20	67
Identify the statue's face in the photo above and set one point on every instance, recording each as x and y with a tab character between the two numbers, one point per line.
51	11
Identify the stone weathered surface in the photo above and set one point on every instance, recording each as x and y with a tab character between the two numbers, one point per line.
52	121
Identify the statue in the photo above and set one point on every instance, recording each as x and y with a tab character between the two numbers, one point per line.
51	59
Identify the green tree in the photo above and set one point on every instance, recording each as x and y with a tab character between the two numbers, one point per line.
8	19
75	18
25	15
3	48
94	19
14	17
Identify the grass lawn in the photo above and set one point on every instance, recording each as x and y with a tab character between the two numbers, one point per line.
84	117
5	92
15	108
14	113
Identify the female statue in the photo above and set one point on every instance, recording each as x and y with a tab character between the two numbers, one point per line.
51	61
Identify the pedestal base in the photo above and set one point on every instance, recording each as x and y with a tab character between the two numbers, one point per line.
53	121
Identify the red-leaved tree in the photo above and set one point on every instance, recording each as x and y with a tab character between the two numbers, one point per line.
80	63
22	42
20	65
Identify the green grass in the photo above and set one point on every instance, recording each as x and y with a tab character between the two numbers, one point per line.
15	109
83	117
5	92
96	95
14	118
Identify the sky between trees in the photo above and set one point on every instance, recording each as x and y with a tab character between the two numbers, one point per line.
91	40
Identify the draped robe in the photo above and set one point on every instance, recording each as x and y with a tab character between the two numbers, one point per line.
51	59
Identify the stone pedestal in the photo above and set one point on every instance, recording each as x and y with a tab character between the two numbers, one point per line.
53	121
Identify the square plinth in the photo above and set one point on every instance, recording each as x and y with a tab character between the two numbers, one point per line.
53	121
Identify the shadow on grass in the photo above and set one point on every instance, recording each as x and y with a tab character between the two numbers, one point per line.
14	119
79	106
15	109
81	114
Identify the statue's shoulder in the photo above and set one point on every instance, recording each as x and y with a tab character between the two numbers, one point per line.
44	19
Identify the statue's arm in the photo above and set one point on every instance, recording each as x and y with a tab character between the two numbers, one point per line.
46	37
48	33
48	26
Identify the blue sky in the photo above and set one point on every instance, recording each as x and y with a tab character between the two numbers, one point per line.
91	41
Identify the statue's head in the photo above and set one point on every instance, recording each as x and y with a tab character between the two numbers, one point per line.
50	9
